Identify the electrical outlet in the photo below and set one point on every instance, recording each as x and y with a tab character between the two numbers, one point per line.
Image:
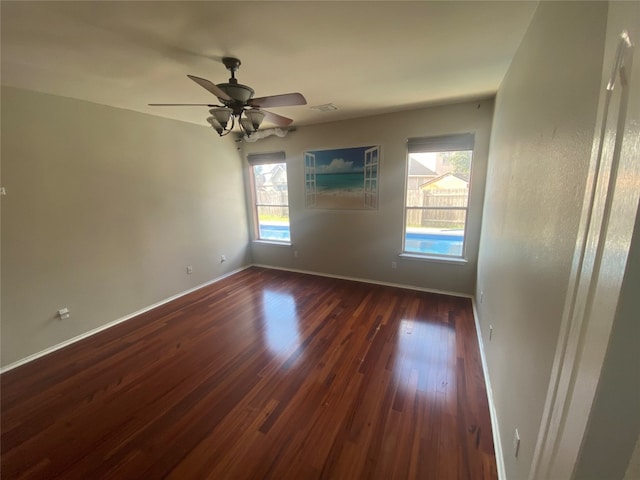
481	297
63	313
189	269
223	259
490	332
516	443
394	265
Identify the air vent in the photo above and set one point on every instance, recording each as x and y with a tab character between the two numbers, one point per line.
327	107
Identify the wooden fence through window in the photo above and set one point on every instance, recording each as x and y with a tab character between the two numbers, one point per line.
273	203
428	201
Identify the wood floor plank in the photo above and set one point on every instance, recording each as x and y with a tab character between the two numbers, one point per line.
264	374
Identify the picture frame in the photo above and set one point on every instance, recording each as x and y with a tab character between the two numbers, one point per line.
342	178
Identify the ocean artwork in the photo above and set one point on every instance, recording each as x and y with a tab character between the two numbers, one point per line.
342	178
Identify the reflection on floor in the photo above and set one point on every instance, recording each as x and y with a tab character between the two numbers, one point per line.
280	322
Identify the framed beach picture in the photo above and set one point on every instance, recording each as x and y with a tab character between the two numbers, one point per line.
342	178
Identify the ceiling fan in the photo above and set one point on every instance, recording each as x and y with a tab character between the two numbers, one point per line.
238	104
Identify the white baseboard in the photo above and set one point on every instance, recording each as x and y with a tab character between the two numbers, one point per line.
366	280
497	444
82	336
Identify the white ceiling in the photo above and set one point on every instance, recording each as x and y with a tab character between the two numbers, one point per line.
364	57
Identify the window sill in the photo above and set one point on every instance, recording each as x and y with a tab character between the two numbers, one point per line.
273	242
433	258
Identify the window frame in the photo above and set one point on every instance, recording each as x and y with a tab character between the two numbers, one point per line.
271	158
438	144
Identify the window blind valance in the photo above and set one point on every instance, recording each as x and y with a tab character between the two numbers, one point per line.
264	158
443	143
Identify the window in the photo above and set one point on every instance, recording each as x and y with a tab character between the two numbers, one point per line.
270	196
437	195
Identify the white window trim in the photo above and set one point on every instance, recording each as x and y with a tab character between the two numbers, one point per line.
442	143
434	258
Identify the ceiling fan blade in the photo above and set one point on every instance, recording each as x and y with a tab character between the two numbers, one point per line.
284	100
182	105
212	87
276	119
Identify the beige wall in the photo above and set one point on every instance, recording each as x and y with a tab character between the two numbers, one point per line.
104	210
362	244
540	149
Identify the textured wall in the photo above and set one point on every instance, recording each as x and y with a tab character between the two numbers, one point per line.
540	150
104	210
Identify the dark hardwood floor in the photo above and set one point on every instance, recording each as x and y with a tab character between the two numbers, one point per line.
265	374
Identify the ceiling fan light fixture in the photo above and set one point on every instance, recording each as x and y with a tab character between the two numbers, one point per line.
223	119
221	115
222	130
255	116
246	125
215	124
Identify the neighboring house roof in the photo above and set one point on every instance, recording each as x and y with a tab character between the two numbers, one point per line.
275	177
448	180
419	170
461	176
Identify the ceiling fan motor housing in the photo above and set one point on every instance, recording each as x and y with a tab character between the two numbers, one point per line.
240	93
